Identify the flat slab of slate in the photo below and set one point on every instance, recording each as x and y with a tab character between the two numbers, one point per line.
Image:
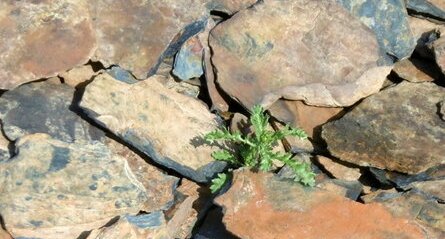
44	107
165	125
54	189
313	51
398	129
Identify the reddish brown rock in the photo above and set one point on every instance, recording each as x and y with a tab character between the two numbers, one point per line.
415	70
387	129
313	51
297	114
439	52
338	170
43	38
260	205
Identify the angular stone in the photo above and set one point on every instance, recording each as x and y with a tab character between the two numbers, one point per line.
302	52
260	205
294	144
442	109
389	20
4	148
386	129
404	180
348	189
134	227
43	107
188	61
439	52
297	114
43	38
4	234
415	206
434	9
163	124
417	71
180	87
230	6
338	170
78	75
420	27
434	189
121	74
54	189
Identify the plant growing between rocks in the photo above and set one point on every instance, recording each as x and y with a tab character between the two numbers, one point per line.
255	150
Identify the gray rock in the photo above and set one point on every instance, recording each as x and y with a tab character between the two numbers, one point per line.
44	107
434	9
442	109
54	189
397	129
389	20
165	125
189	61
301	52
4	148
403	180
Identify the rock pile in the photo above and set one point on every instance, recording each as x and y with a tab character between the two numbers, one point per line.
104	106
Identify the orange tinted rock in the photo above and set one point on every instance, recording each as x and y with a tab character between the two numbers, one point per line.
262	206
42	39
418	71
78	75
338	170
4	234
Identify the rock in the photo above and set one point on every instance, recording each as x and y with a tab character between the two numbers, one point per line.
431	188
421	27
417	71
107	101
78	75
4	148
121	74
37	39
339	170
260	205
297	114
181	87
442	109
310	59
4	234
43	107
212	227
386	129
216	97
134	227
415	206
294	144
431	9
348	189
230	6
402	181
54	189
389	20
439	52
188	61
194	202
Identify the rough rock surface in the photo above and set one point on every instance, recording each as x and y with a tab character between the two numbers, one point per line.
442	109
294	144
43	107
141	226
389	20
54	189
260	205
439	52
306	50
416	70
188	61
416	206
37	39
434	9
176	143
297	114
338	170
4	148
4	234
386	129
78	75
432	188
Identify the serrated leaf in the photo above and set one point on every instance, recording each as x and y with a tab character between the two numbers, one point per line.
218	182
224	155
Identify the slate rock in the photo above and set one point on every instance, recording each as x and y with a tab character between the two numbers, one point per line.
54	189
260	205
121	74
385	130
442	109
402	181
426	211
430	9
165	125
417	70
183	87
4	148
294	144
439	52
188	61
43	107
348	189
338	170
141	226
78	75
313	51
389	20
37	39
431	188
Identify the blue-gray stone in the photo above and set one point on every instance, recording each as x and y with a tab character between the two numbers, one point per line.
389	20
426	9
146	221
188	61
122	75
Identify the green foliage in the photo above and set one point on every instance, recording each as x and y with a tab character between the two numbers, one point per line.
256	150
218	182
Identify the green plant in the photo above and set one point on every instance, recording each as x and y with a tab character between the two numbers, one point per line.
256	150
